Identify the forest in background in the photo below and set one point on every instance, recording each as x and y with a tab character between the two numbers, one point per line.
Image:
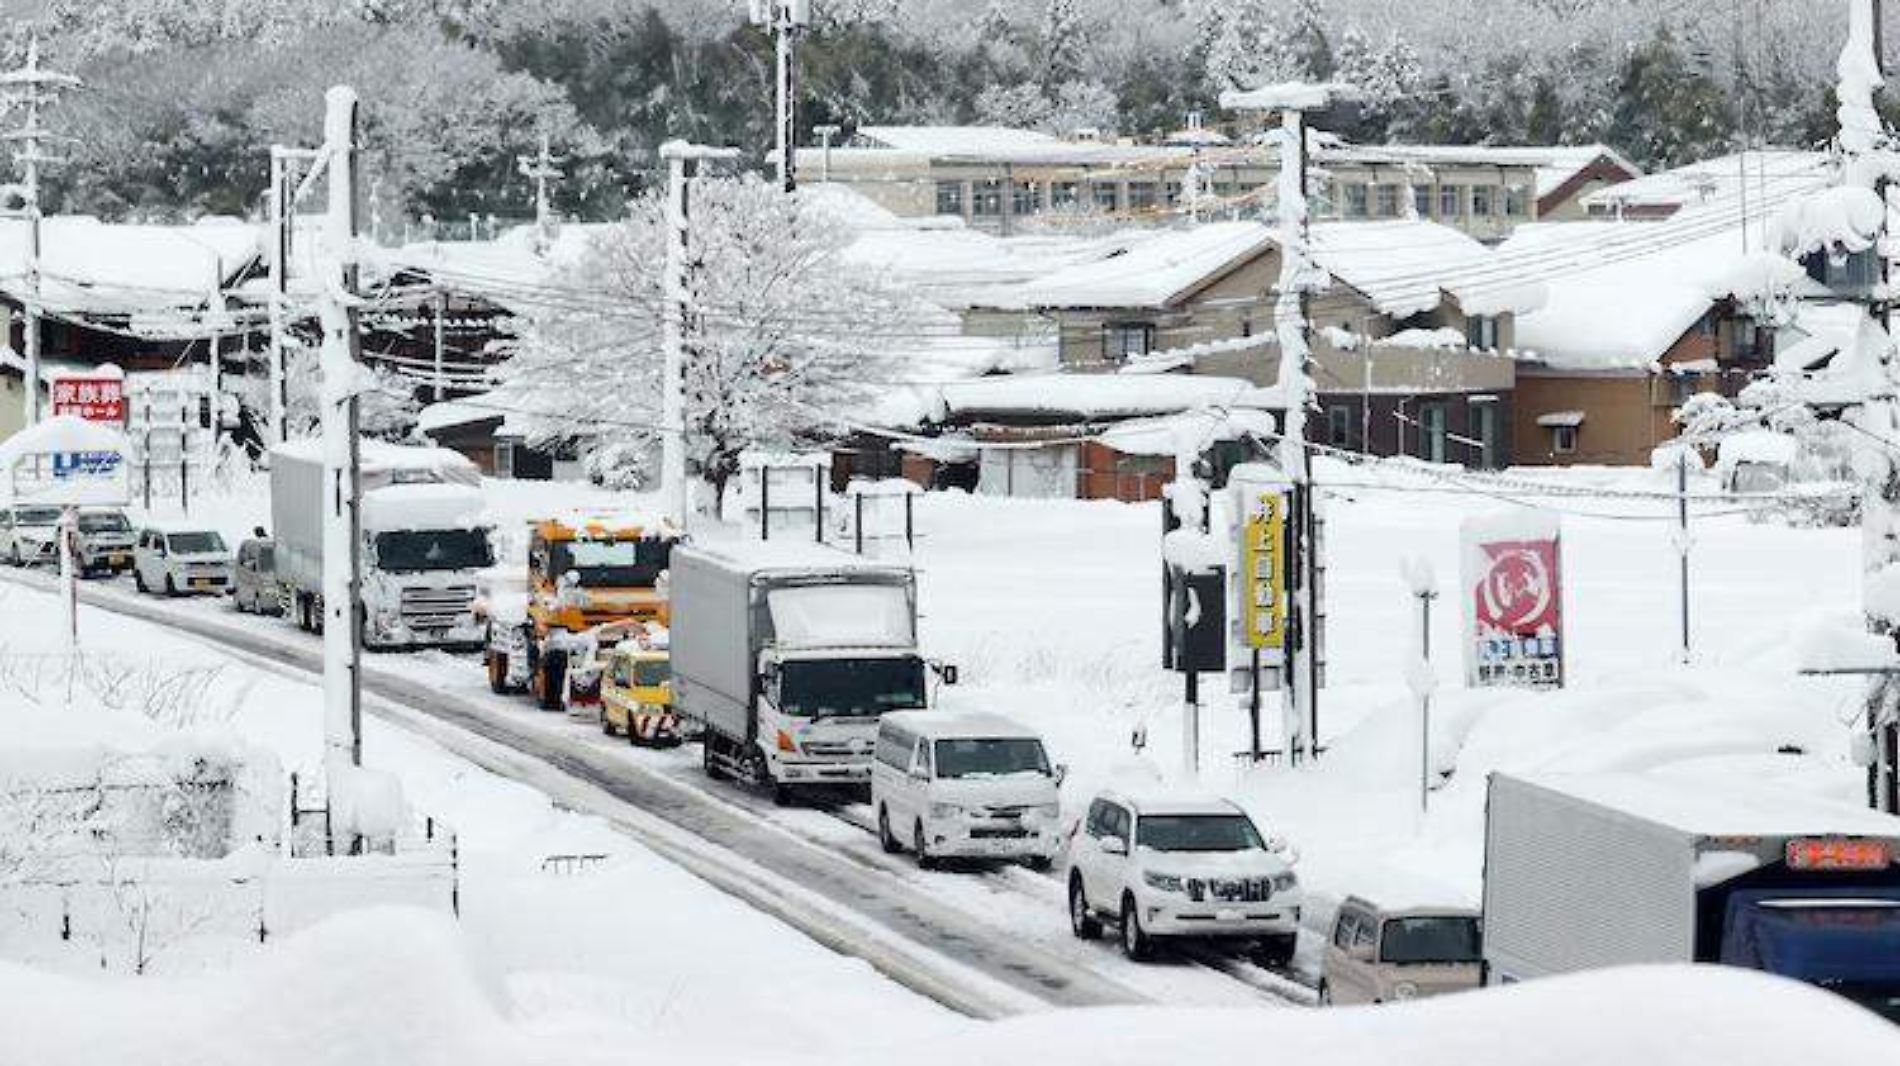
184	97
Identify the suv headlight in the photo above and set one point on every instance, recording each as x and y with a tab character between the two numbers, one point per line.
1285	882
1163	882
945	810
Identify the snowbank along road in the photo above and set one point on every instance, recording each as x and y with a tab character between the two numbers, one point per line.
819	872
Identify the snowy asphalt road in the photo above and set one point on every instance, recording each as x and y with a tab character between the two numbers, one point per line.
956	956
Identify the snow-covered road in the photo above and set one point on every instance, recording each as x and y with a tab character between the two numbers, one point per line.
987	944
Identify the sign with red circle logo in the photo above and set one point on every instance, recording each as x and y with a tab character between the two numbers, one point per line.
1514	577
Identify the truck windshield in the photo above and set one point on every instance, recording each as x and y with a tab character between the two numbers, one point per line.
417	551
194	543
991	757
650	673
104	522
1440	938
613	563
850	688
1197	832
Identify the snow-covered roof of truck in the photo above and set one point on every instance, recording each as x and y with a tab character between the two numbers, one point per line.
1699	808
981	725
396	508
791	555
381	456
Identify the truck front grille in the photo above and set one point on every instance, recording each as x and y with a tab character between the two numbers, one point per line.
437	608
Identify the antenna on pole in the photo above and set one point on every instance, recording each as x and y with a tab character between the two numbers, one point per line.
542	169
787	20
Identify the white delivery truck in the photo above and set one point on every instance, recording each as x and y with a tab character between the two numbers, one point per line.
1597	870
786	655
424	540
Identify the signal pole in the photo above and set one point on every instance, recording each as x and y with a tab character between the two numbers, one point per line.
32	87
787	20
541	169
682	167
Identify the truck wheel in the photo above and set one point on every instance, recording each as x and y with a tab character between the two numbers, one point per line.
497	672
782	795
552	675
1135	943
1082	921
884	838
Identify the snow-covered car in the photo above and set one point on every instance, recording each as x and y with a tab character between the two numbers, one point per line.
181	559
1161	865
29	535
957	785
105	540
1381	955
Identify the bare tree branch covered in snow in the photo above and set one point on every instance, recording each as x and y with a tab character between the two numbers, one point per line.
788	337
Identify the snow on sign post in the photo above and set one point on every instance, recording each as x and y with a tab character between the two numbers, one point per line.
1513	580
98	396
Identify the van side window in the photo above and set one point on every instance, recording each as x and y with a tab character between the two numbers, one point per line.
921	762
1343	932
1098	818
1118	822
893	749
1367	932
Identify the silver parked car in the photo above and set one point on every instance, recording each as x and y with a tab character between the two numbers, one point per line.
105	541
29	535
181	559
254	579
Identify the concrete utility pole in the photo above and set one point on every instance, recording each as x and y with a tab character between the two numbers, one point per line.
342	369
32	88
1292	324
788	20
682	167
825	134
541	169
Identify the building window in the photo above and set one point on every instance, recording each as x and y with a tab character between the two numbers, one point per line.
1563	440
950	198
1422	200
987	200
1484	423
505	460
1108	196
1481	332
1122	341
1224	188
1171	192
1141	195
1517	201
1481	201
1431	432
1387	201
1064	194
1355	201
1451	201
1339	426
1025	198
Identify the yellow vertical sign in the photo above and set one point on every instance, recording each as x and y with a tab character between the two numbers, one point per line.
1263	574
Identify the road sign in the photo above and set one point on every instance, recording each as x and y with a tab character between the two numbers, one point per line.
96	397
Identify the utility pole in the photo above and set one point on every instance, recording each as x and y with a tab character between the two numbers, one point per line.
1293	325
32	87
283	198
1682	543
342	358
541	169
787	20
440	311
682	168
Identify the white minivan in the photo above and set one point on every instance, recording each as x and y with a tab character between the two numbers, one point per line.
958	785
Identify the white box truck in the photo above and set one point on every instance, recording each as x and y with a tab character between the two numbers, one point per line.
1589	871
786	655
424	540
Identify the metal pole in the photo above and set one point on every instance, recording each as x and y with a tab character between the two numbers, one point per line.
1425	703
68	576
1682	547
788	30
342	634
1191	722
910	525
818	494
857	521
765	503
441	312
279	286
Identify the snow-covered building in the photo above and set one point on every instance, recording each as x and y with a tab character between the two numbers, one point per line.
1000	179
1738	181
1412	339
1639	316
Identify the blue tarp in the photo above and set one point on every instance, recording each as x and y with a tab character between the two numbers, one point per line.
1830	941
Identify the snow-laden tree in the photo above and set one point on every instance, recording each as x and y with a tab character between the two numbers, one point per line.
788	339
1067	108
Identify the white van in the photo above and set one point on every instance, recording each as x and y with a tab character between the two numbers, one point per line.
955	785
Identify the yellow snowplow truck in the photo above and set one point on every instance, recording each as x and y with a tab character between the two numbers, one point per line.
584	571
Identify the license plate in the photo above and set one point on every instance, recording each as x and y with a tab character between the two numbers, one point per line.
116	558
1227	916
203	583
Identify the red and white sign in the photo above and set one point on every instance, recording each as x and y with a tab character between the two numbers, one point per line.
1513	577
97	397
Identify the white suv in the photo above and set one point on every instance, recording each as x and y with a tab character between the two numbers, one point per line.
1167	865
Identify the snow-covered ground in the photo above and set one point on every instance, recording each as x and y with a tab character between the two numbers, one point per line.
1051	609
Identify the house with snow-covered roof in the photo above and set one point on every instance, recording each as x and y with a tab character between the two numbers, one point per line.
1638	317
1411	344
1737	181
